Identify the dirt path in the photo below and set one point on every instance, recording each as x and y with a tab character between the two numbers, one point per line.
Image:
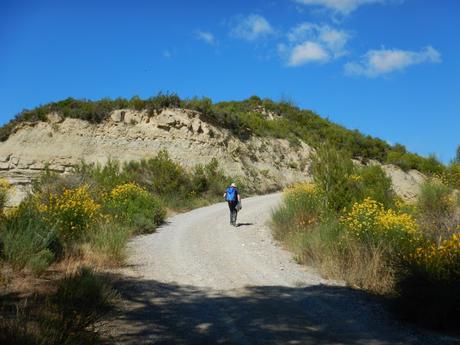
200	281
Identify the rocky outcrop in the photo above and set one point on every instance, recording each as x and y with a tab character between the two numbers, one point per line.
405	184
59	144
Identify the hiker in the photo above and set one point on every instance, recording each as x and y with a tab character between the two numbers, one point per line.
233	198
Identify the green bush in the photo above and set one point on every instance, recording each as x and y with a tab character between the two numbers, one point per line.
160	174
372	182
332	172
437	208
303	206
343	183
107	243
135	207
208	179
101	178
27	239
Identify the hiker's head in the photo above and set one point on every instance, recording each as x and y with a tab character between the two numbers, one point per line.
233	185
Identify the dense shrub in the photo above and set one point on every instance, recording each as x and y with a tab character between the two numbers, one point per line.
371	223
209	179
317	238
428	284
343	183
28	241
451	176
101	178
73	213
437	210
372	182
333	174
135	207
303	205
160	174
428	277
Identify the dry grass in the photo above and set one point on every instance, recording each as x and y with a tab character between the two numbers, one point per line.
62	307
350	261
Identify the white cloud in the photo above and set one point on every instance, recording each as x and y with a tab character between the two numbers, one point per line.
339	6
307	52
379	62
334	39
309	42
301	31
251	28
205	36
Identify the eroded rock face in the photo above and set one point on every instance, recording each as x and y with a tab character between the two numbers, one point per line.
405	184
132	135
60	144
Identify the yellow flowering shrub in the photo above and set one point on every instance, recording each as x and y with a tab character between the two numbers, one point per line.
135	206
450	176
370	220
303	204
124	191
442	259
299	189
73	212
4	184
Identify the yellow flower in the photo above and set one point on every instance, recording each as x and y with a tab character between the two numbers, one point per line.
369	217
4	184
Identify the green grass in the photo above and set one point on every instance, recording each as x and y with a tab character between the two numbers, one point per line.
107	244
28	241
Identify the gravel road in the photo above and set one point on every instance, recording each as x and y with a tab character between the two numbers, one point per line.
198	280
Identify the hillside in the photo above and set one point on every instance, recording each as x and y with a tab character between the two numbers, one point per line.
266	143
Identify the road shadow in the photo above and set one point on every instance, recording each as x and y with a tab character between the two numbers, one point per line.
152	312
243	224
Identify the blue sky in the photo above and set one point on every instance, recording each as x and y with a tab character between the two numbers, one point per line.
390	68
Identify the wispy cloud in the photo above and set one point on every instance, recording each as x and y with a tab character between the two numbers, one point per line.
307	52
251	27
384	61
308	42
343	7
205	36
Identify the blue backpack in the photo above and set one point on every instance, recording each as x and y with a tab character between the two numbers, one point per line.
231	194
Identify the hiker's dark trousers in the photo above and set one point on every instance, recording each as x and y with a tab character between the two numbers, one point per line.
233	211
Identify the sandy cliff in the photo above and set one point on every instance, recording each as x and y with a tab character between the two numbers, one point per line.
59	143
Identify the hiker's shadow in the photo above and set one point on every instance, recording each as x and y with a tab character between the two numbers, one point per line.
244	224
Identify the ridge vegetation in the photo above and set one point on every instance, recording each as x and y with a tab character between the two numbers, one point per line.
244	119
